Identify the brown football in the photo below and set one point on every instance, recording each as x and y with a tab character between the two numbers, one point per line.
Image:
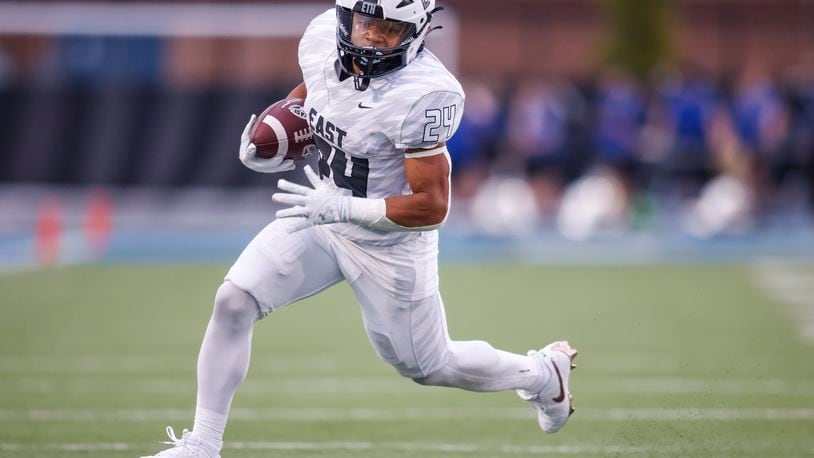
283	129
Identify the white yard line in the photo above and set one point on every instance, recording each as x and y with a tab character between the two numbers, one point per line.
264	386
445	447
425	447
272	385
413	414
284	364
139	364
792	286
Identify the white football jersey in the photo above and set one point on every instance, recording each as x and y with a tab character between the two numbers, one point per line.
362	135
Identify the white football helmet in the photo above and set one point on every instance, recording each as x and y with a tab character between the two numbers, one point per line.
377	37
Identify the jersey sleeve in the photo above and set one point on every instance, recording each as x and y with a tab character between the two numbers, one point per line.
432	119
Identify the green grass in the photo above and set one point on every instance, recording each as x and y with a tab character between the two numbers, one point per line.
106	355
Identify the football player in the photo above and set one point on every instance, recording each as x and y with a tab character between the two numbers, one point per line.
381	107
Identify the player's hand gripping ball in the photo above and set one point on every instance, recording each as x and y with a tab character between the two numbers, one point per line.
280	136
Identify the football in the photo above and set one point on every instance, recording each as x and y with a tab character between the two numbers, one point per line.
283	129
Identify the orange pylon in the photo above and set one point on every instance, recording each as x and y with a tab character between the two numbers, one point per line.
48	232
98	224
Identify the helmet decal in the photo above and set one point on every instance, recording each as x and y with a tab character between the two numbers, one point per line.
368	8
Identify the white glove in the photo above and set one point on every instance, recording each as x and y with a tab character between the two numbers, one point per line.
247	155
325	203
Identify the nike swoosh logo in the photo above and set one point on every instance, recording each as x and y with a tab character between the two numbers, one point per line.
561	396
364	107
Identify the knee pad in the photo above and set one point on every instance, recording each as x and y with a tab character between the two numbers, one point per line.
235	306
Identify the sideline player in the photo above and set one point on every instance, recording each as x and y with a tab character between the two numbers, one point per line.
381	108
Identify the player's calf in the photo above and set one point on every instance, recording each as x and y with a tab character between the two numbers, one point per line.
477	366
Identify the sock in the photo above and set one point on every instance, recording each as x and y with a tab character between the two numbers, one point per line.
544	375
209	426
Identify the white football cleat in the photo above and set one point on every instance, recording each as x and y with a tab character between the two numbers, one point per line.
553	403
189	445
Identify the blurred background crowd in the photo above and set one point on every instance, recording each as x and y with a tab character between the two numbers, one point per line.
740	146
584	116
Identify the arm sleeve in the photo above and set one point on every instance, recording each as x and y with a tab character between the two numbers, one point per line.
432	120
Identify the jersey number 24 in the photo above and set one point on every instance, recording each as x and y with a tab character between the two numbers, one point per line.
439	119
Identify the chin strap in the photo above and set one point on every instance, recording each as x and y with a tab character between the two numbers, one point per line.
361	84
430	15
429	24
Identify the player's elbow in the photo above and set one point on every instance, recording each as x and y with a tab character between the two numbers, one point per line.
429	213
437	210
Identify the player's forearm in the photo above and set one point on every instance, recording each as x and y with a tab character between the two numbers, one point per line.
423	210
414	212
417	210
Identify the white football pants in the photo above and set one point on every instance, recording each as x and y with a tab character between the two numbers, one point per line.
278	268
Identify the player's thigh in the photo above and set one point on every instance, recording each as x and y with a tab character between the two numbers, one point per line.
279	268
410	335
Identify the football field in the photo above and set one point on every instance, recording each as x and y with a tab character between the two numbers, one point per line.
682	361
